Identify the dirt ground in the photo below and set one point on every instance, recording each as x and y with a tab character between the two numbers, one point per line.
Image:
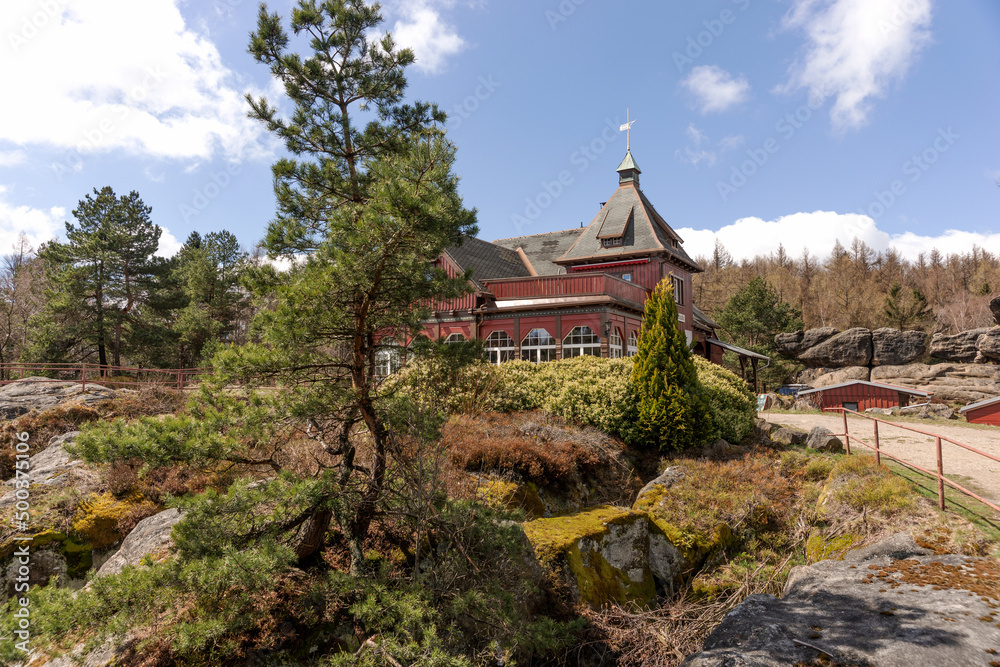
973	471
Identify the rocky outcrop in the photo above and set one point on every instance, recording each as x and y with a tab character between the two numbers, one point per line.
951	383
850	348
823	440
988	344
824	377
793	344
53	467
788	436
892	347
959	347
38	393
995	309
893	605
150	537
923	411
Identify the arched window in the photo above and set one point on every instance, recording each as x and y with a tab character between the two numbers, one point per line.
615	350
581	341
499	347
388	358
633	345
455	338
538	346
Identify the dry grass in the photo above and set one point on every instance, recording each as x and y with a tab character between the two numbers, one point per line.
534	446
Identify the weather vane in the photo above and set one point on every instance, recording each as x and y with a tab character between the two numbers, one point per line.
627	129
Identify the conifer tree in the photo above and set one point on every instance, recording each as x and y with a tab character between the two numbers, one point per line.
672	413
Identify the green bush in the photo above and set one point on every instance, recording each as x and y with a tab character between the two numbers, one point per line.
733	405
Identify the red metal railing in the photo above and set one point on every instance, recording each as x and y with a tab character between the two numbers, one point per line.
103	375
938	439
577	284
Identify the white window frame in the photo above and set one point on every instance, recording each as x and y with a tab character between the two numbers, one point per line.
581	341
388	357
678	284
455	338
537	347
499	347
615	347
633	345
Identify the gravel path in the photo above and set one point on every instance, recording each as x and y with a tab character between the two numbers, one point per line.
982	473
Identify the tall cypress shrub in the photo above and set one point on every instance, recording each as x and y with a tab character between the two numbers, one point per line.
671	412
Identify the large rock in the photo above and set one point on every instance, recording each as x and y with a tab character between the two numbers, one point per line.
38	393
150	537
793	344
789	435
891	605
850	348
602	553
823	440
927	411
54	467
892	347
995	309
824	377
988	344
959	347
951	383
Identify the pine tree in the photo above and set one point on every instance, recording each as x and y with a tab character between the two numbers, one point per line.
672	413
100	277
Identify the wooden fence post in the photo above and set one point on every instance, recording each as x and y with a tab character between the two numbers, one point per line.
940	466
847	437
878	455
83	376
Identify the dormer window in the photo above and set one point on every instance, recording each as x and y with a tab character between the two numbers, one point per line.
612	241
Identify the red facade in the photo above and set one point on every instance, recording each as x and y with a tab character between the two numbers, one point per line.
859	396
986	414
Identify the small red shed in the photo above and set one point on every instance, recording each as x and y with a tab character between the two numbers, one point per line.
859	395
984	412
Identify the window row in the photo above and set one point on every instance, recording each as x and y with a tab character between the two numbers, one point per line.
539	345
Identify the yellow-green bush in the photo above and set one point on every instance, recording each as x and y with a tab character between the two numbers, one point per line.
734	408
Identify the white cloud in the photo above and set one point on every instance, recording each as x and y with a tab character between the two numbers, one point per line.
818	231
38	225
169	245
855	49
103	75
421	28
715	89
699	148
12	158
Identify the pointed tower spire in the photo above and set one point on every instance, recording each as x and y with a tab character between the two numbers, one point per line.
628	170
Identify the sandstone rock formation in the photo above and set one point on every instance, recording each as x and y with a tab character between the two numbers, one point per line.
892	347
958	347
150	537
53	467
38	393
850	348
792	344
952	383
894	605
995	309
988	344
824	377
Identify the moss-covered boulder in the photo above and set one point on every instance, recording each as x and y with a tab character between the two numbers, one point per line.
603	552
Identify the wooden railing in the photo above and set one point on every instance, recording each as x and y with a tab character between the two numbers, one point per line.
938	439
582	284
108	376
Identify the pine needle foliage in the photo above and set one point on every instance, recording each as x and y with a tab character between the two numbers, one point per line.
671	410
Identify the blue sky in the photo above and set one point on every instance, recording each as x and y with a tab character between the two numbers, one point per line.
758	122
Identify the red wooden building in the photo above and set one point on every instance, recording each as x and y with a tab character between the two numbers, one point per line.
574	292
983	412
859	395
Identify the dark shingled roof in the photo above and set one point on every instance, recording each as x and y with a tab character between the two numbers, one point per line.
704	320
543	249
648	232
487	260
